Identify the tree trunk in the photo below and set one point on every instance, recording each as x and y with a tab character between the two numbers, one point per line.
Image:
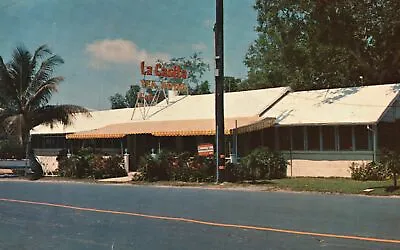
395	180
25	145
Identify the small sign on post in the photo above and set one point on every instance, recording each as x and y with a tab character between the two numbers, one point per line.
205	149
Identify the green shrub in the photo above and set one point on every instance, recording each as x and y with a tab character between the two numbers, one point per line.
86	164
67	166
262	163
176	167
235	172
193	168
108	167
372	171
155	169
391	160
259	164
75	166
202	168
11	150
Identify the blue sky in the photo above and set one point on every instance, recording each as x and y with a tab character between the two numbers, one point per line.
103	41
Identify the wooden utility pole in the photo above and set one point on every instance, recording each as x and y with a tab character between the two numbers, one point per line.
219	90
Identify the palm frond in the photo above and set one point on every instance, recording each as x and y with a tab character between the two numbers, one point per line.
5	113
19	69
10	121
25	90
51	114
42	96
45	71
40	52
8	91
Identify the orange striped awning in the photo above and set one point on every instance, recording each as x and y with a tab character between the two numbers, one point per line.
170	128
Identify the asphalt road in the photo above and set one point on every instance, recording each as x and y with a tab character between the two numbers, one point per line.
46	226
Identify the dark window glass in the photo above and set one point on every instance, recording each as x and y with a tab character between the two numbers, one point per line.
328	137
269	138
313	138
361	134
189	144
255	139
36	142
298	138
61	143
52	142
49	142
284	138
345	138
111	143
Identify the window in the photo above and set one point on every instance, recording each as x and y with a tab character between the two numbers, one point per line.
54	142
269	138
111	143
255	139
284	138
298	138
76	144
37	142
49	142
345	138
313	138
328	138
361	133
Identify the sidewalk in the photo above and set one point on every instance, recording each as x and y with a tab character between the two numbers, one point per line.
124	179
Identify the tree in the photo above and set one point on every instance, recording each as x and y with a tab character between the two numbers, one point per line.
321	44
26	86
194	65
232	84
201	89
391	160
131	95
119	101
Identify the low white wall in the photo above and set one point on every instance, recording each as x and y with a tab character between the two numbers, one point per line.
324	164
49	164
14	163
56	151
48	158
47	151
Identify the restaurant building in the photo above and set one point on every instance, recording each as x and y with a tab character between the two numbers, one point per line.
319	132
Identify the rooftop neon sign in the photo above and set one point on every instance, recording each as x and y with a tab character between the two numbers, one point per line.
161	71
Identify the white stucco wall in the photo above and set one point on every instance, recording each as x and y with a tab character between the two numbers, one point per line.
324	164
55	151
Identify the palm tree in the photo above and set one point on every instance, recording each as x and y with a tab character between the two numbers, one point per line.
26	86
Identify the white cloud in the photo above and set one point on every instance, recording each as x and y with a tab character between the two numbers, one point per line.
119	51
199	46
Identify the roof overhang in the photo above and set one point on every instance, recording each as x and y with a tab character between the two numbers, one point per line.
174	128
316	124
